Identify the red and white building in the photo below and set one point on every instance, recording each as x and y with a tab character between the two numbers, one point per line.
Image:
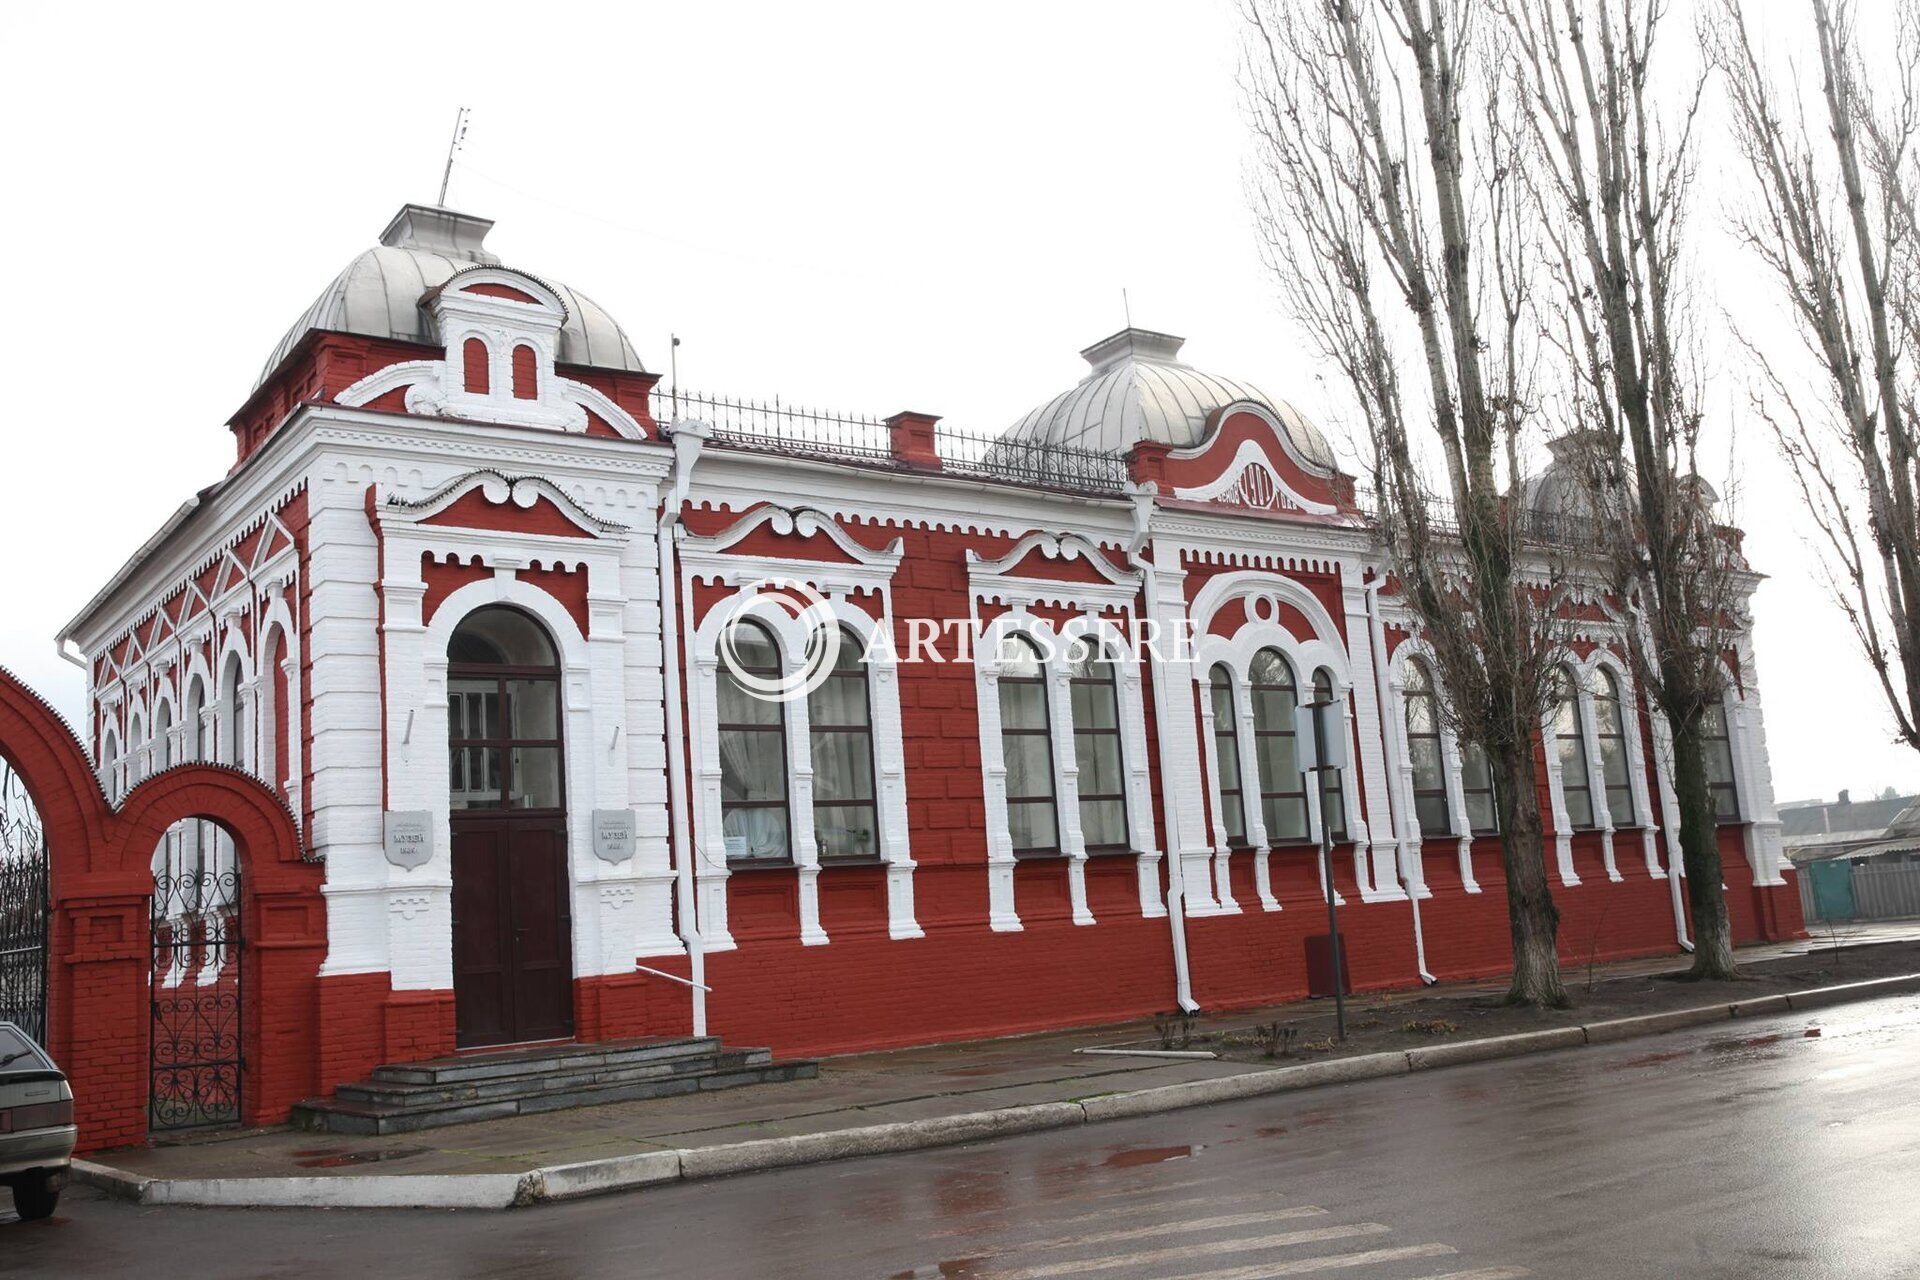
461	601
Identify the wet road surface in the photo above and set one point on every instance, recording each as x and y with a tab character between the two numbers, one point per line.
1785	1147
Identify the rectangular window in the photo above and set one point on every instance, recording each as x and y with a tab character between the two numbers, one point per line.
1718	746
846	820
754	821
1226	740
1094	695
1026	746
1571	743
1476	780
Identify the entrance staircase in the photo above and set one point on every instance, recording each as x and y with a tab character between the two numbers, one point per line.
491	1085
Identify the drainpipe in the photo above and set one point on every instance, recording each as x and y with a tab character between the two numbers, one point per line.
688	437
1669	814
1169	796
1383	695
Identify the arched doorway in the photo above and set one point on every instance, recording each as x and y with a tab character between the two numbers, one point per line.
512	923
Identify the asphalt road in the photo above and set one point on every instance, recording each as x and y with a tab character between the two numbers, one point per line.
1786	1147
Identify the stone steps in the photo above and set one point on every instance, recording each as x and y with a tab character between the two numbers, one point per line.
407	1097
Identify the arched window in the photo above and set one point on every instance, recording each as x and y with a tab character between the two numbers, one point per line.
163	735
503	713
1226	740
526	384
196	744
754	816
1423	750
1026	746
1096	747
1610	725
110	766
1571	743
1718	746
475	374
846	822
136	740
1283	794
234	730
1333	798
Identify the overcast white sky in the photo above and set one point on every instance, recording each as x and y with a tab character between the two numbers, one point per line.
866	207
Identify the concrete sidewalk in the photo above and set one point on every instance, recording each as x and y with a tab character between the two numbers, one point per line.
860	1104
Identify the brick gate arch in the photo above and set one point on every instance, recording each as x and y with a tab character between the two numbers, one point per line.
99	881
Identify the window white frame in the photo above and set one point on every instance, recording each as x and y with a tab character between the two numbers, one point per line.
846	586
1091	606
1452	760
1585	676
1054	644
1263	593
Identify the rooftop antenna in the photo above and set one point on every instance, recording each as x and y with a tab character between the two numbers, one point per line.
453	148
1127	308
673	358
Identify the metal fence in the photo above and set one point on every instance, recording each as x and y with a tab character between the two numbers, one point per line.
23	909
773	427
1881	891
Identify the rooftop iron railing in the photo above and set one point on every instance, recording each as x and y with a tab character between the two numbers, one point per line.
774	427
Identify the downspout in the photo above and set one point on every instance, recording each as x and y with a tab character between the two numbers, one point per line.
1383	695
1169	796
688	437
1667	812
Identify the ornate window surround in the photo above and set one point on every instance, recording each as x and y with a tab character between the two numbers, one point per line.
710	560
1584	674
992	581
1263	592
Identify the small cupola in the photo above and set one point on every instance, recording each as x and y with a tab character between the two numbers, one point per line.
446	232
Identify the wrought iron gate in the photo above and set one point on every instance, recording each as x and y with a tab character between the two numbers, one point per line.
199	949
23	910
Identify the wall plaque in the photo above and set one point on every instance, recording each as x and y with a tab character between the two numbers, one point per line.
409	837
613	834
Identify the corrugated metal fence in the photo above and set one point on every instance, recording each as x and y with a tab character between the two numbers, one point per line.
1890	891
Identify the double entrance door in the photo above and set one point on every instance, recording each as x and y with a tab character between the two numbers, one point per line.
512	930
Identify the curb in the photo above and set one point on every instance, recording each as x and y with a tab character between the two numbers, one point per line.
654	1168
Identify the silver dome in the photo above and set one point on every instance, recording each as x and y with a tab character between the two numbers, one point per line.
1139	390
379	295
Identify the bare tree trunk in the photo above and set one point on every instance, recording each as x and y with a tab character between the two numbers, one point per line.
1531	916
1700	853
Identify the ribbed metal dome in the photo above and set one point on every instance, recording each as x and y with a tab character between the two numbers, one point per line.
1139	390
380	292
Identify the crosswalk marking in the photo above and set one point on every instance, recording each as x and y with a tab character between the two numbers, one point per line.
1195	1251
1178	1228
1149	1203
1330	1262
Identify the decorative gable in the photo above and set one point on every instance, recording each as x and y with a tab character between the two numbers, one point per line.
501	330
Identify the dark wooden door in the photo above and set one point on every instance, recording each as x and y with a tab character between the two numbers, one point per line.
512	930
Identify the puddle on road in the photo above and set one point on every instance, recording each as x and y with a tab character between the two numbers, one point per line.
1135	1156
341	1157
952	1267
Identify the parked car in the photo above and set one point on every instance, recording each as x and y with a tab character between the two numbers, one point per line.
36	1124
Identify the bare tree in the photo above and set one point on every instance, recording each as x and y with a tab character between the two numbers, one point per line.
1383	181
1613	159
1835	224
